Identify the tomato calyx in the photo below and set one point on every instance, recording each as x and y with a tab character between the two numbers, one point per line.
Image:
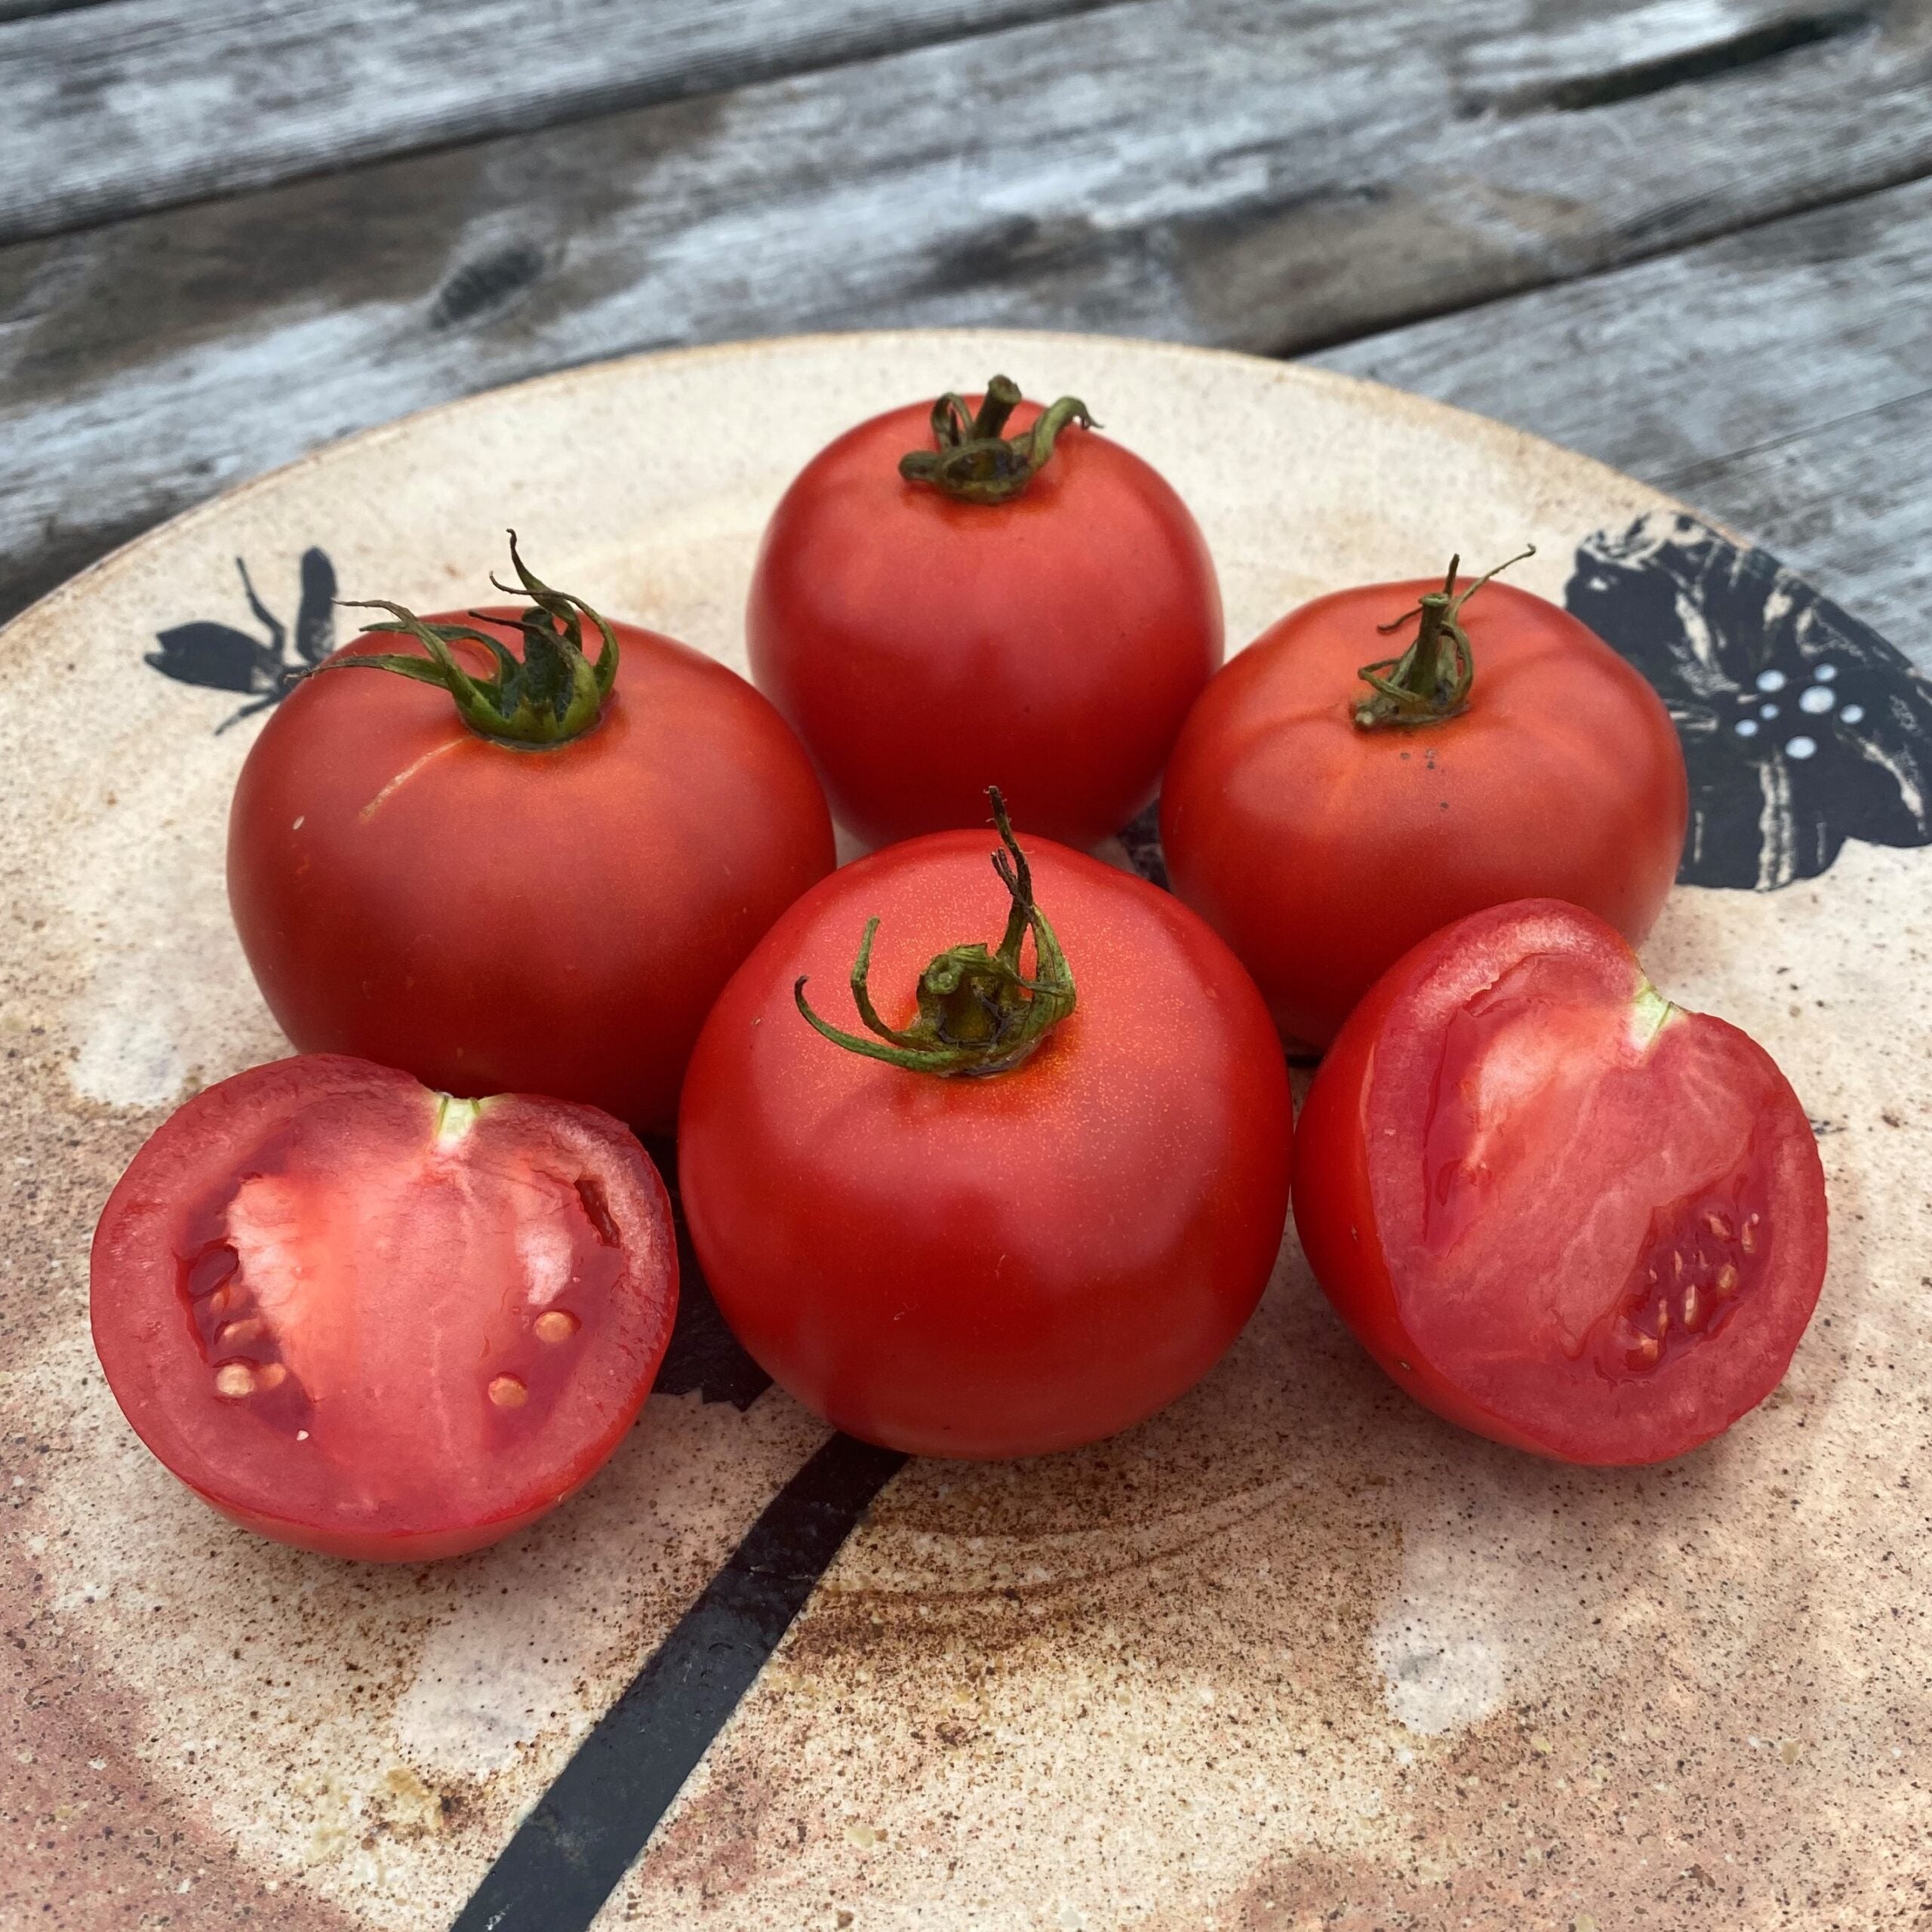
974	463
550	695
979	1013
1431	680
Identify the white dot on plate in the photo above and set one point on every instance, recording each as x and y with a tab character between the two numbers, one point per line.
1771	681
1815	700
1824	673
1799	747
1747	727
1852	713
1767	711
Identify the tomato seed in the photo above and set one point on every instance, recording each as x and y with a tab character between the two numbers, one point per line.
1748	1240
1718	1226
555	1324
234	1334
1727	1277
271	1375
1694	1308
234	1378
507	1392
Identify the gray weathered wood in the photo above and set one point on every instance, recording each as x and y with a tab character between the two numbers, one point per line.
1780	379
141	104
1218	170
21	10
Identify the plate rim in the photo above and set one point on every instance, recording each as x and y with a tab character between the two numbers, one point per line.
1507	437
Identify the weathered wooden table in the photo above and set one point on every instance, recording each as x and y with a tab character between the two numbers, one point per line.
1689	237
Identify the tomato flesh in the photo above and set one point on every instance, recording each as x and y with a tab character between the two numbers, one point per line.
364	1318
1559	1209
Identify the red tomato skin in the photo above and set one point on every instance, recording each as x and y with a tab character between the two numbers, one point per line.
1321	852
1000	1266
144	1340
1334	1201
925	648
494	919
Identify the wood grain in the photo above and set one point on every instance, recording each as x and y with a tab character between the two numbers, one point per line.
141	104
1216	170
1780	379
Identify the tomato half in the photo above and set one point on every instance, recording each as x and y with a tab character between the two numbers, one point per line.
1321	850
922	644
1005	1264
1555	1208
504	918
364	1318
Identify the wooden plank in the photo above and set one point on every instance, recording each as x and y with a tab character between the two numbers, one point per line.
21	10
143	104
1778	378
1203	170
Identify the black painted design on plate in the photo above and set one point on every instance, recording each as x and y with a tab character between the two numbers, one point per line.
704	1354
1801	726
578	1840
217	656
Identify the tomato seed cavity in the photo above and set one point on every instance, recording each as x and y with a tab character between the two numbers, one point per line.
1666	1307
590	1191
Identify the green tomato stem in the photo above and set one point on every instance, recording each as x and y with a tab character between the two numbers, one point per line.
1431	680
973	462
550	695
979	1014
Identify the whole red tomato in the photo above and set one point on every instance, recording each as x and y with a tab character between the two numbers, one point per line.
367	1319
539	887
1556	1208
1322	824
938	603
1028	1197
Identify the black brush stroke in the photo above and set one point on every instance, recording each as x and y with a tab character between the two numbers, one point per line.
580	1838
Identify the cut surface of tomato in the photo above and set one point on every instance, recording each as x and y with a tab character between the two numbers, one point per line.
1558	1209
363	1317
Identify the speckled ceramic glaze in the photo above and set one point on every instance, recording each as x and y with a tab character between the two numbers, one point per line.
1293	1653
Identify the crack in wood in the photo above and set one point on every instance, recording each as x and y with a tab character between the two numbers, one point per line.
1750	48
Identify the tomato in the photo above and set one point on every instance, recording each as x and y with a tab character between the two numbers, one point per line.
1035	1249
924	639
364	1318
1557	1209
1321	849
502	914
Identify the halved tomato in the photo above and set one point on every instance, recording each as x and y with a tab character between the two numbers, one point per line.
1556	1208
364	1318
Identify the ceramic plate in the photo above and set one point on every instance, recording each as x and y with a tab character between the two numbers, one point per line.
1294	1653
